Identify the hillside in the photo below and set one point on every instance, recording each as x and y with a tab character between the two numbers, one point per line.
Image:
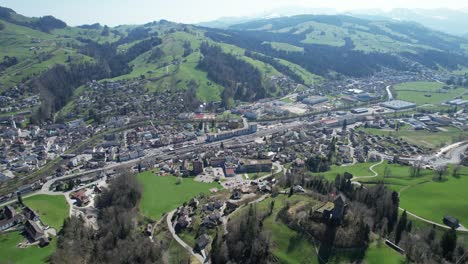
278	56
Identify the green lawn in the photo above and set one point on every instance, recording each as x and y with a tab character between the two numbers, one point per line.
289	246
9	253
162	194
285	46
379	253
426	92
53	209
357	170
432	200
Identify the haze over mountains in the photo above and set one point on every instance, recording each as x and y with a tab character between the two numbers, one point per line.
446	20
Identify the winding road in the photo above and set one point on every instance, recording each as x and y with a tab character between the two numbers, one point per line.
179	240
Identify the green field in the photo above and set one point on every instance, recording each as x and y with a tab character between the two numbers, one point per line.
432	200
379	253
285	46
162	195
423	138
422	93
9	253
53	209
357	170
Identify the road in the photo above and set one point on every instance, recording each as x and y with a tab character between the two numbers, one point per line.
389	93
371	168
460	229
179	240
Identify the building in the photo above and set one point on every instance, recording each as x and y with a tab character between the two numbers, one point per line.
12	218
217	162
33	230
197	167
235	133
253	166
458	102
333	210
451	221
359	111
313	100
80	197
398	105
30	214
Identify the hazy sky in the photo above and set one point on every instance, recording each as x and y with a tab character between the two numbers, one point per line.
116	12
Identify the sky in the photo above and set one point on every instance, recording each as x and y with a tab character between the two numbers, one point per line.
117	12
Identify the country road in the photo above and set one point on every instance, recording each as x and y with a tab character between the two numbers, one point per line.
371	168
179	240
460	229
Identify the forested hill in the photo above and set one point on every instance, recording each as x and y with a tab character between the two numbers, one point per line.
245	62
347	45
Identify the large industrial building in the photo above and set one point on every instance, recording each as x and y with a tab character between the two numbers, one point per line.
398	105
312	100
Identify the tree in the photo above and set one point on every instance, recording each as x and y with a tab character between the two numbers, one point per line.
20	199
345	125
440	171
456	171
415	169
401	227
291	191
387	172
448	244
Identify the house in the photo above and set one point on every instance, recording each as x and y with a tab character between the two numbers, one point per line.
33	230
333	210
212	220
236	194
30	214
12	221
9	212
201	242
80	197
183	222
230	207
197	167
451	221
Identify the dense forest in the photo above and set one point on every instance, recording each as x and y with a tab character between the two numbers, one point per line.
241	80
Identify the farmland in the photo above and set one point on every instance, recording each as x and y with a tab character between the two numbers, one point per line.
422	93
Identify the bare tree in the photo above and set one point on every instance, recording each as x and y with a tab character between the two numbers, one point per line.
440	171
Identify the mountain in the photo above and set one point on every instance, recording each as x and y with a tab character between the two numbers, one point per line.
445	20
243	62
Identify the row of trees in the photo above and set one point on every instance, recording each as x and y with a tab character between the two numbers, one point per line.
118	239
